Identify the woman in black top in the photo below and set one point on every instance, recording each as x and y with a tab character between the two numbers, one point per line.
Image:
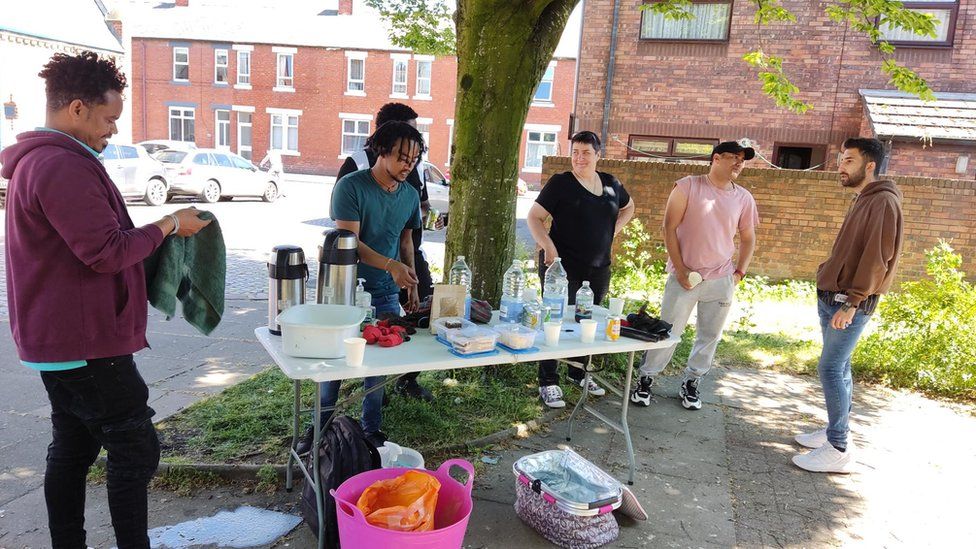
588	208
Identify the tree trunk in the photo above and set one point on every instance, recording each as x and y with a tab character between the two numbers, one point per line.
508	45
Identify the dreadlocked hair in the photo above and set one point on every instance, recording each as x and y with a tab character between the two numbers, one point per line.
394	111
385	138
85	76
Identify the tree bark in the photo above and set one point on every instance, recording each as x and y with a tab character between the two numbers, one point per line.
503	49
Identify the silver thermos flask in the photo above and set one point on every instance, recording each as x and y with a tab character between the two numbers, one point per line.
338	256
287	273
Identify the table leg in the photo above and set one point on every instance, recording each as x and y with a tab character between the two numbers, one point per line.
581	403
296	425
623	417
316	480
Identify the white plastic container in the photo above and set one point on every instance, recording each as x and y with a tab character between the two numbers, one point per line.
516	336
314	330
394	455
446	323
469	341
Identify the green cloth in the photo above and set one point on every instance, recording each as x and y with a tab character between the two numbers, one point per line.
192	270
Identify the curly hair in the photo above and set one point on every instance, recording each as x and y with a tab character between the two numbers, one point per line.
394	112
84	76
386	136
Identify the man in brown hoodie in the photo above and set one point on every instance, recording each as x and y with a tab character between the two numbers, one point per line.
860	268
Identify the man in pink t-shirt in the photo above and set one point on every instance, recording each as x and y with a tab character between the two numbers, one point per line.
703	214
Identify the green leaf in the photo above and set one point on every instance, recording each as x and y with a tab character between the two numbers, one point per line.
423	26
674	10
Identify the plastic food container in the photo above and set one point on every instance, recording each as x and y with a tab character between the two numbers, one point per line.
516	336
314	330
443	324
468	341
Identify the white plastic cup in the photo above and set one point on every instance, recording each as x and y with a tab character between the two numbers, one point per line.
552	330
355	349
617	306
587	330
694	278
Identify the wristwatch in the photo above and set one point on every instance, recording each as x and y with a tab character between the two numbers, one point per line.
847	306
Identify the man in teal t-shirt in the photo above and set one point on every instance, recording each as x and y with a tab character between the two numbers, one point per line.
383	211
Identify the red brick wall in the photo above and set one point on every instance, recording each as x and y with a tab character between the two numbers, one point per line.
320	85
706	90
801	212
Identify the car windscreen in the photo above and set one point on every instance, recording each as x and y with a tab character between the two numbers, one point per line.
170	156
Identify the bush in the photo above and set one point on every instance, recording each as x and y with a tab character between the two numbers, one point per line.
926	333
637	274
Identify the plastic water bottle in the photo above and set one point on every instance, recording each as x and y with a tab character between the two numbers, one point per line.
513	283
365	300
461	274
584	302
556	290
531	309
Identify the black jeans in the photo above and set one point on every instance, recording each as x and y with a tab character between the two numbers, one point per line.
101	405
599	278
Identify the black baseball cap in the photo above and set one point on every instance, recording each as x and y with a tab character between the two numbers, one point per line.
734	147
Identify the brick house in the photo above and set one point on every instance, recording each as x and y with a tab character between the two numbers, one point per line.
679	87
308	82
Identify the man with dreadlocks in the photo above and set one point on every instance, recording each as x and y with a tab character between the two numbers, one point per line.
76	291
383	211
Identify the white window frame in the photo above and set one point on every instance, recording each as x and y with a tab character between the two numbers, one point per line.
288	148
404	60
284	83
425	123
429	61
540	129
450	141
219	132
545	102
181	115
357	118
242	53
351	83
225	66
241	148
185	50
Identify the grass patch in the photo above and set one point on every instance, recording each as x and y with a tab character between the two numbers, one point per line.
184	481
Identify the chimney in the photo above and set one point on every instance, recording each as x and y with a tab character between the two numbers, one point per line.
182	3
345	7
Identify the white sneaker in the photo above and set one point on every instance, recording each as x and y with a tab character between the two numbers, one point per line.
826	459
593	388
814	440
552	395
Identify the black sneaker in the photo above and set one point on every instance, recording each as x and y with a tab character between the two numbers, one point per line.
689	395
642	394
376	439
305	442
411	389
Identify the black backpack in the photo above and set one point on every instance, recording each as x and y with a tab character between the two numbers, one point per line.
343	453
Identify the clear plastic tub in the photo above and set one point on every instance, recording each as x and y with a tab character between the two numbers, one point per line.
516	336
471	340
443	324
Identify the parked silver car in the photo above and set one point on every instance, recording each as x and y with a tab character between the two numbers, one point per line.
214	174
135	173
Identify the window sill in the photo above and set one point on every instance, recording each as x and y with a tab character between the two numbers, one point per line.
285	89
423	98
355	93
344	156
530	169
399	96
545	104
242	86
180	82
221	85
288	153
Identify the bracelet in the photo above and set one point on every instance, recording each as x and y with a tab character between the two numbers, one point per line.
176	221
740	273
387	266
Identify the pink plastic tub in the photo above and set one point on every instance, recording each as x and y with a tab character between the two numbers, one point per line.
450	519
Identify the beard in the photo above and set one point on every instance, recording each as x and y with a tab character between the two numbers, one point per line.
854	179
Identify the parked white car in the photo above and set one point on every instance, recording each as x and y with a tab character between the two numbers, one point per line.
153	146
215	174
135	173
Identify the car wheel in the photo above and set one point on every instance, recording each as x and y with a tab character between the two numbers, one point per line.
270	192
155	193
211	192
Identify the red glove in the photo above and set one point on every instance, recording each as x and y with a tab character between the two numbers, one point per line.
371	334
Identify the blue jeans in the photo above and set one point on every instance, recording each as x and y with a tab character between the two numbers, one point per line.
835	369
372	402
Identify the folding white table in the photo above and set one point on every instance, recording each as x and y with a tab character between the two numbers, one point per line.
424	353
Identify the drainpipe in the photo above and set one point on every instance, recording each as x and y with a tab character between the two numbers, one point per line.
145	92
609	88
579	55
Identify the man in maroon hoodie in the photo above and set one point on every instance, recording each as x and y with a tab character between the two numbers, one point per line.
76	293
860	268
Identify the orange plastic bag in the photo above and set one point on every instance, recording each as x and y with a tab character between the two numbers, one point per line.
405	503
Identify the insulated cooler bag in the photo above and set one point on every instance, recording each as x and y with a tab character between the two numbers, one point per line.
567	499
